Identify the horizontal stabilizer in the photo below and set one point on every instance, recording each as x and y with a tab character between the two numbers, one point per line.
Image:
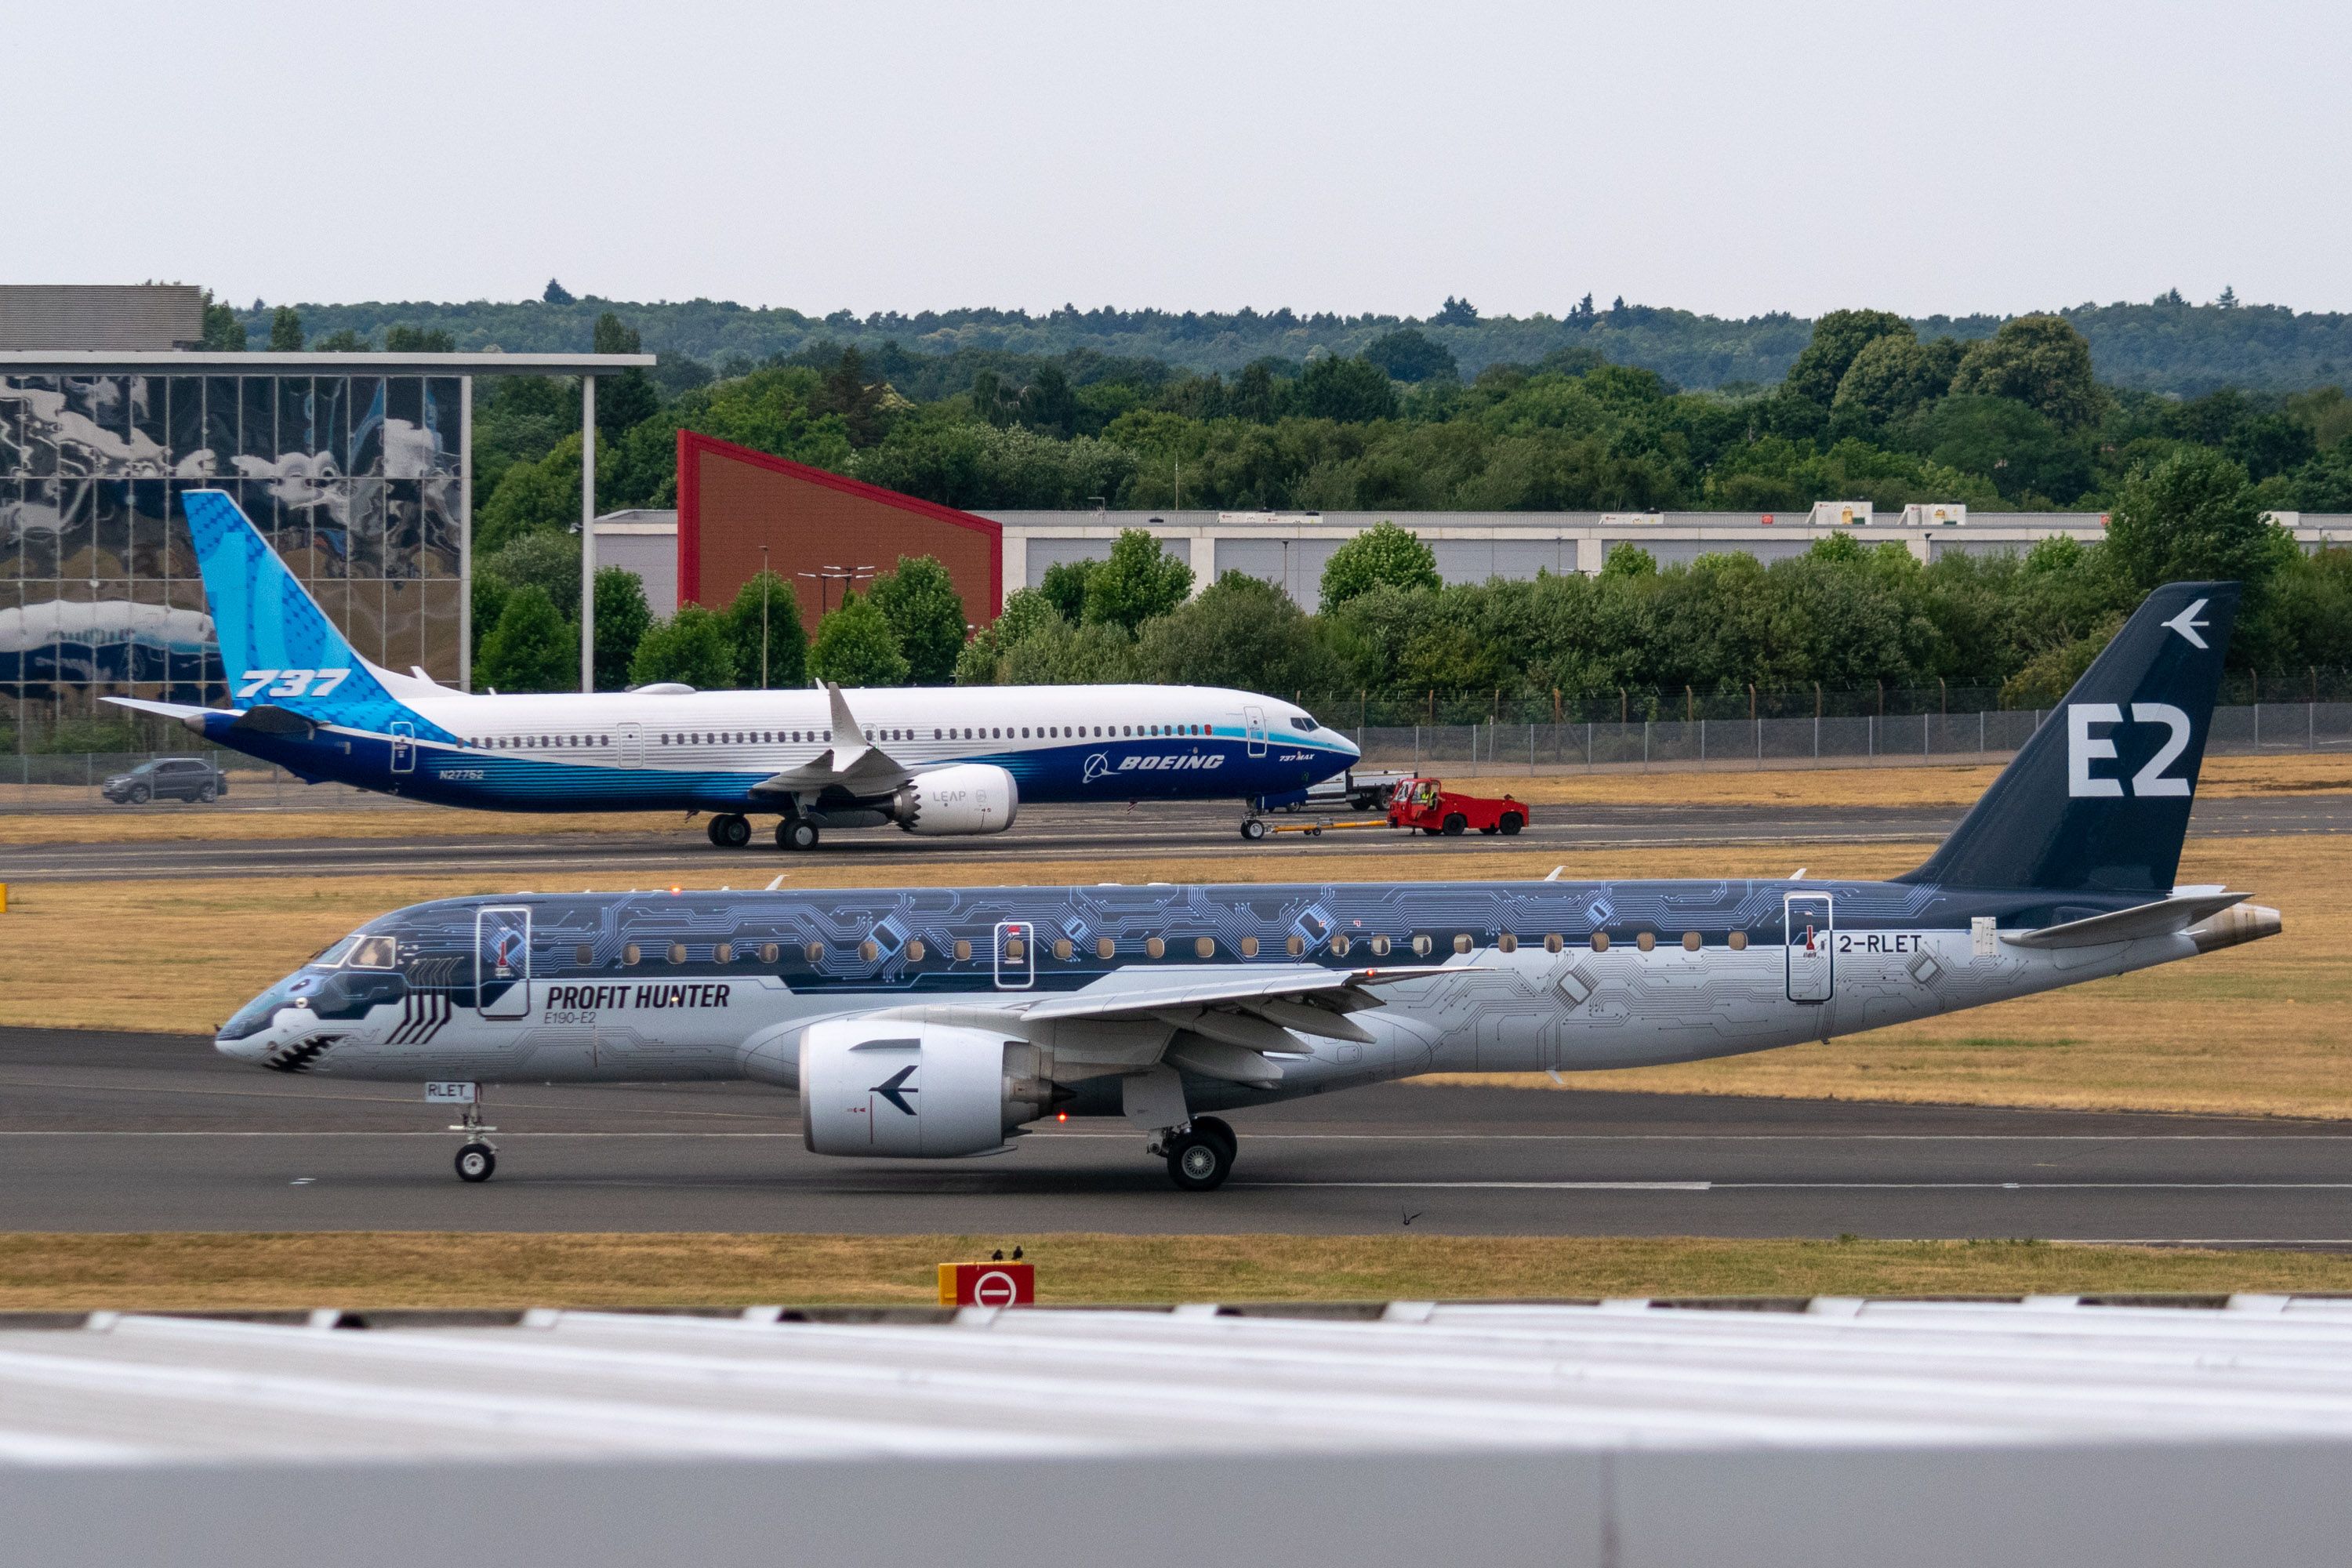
271	719
2163	917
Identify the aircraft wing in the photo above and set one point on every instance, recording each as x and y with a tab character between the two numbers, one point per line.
851	763
2162	918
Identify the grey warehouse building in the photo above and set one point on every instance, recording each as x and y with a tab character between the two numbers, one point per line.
357	467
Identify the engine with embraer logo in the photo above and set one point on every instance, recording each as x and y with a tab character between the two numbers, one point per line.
916	1090
971	797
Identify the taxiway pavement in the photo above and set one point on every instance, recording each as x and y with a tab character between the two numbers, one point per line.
1081	836
133	1133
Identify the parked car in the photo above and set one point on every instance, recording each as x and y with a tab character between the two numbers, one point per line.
167	778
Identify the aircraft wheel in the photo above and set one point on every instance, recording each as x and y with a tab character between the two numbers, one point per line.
1253	829
476	1161
796	833
1512	823
1199	1161
729	830
1217	1127
1454	823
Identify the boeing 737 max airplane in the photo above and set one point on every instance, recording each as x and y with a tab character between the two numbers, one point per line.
937	1023
931	760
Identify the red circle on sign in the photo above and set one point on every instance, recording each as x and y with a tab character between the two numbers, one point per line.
995	1288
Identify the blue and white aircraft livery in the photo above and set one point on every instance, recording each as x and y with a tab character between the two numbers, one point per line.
931	760
937	1023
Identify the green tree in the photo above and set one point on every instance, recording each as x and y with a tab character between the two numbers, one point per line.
1065	587
768	606
1242	631
545	559
1410	356
622	620
1254	393
1893	377
1048	404
342	340
629	398
406	340
1838	340
2039	360
531	649
691	646
856	646
223	333
1351	391
1383	553
285	331
1626	559
1139	581
920	603
2195	516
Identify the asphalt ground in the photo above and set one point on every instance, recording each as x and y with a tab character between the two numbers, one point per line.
1085	837
135	1132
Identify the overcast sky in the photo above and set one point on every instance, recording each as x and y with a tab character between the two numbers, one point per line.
1733	158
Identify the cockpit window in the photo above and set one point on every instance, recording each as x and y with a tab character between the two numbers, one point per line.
374	952
333	953
1302	724
256	1014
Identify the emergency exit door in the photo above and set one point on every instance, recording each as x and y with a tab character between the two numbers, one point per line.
404	746
1813	966
502	962
1016	956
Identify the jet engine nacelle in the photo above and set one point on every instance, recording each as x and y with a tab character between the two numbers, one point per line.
914	1090
970	797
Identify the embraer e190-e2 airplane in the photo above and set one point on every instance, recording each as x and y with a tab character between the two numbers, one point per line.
931	760
935	1023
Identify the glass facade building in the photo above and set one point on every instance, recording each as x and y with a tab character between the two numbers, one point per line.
356	479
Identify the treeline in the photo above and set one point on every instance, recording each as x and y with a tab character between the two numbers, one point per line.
2166	345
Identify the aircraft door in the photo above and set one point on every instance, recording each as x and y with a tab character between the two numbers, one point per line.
502	962
404	746
1257	717
633	745
1813	967
1016	956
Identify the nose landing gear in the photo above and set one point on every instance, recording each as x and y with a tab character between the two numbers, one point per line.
477	1156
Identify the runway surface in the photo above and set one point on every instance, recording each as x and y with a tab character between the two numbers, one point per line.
119	1132
1082	836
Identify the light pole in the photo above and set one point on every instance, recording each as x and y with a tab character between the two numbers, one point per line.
764	617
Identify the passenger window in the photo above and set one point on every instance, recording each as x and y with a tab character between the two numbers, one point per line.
962	951
868	951
770	952
1462	943
1379	947
631	954
1062	948
723	953
1553	943
584	955
1646	940
1155	948
1738	943
1297	944
1105	947
814	953
1600	941
1690	942
1205	947
1339	947
677	953
915	949
1506	942
1249	947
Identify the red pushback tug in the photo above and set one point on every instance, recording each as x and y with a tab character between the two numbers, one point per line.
1428	805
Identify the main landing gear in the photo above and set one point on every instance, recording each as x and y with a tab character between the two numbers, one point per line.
1253	828
1201	1155
477	1156
796	833
731	830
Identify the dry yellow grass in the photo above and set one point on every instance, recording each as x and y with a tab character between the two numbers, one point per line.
2264	1029
388	1269
2223	778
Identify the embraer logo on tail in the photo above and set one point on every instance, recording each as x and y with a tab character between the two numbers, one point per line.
2187	624
894	1090
2084	747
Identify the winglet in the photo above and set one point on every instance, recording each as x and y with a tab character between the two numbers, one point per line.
844	728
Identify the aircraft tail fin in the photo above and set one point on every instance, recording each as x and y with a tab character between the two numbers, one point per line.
2098	798
277	645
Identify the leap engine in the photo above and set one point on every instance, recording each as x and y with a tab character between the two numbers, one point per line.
970	797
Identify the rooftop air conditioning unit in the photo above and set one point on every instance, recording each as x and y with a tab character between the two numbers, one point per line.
1841	514
1938	514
